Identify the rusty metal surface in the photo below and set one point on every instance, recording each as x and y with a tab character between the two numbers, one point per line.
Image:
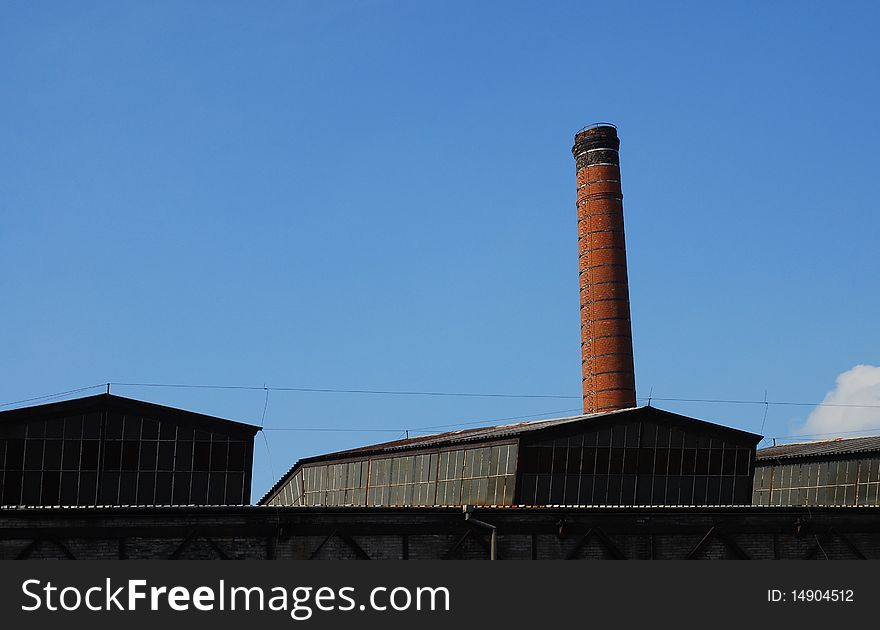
837	446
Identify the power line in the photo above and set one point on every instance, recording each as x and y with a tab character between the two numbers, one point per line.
48	396
331	390
763	402
486	422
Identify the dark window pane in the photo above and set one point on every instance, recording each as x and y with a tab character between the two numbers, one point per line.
90	450
628	490
52	455
112	455
51	485
603	456
573	464
557	489
713	490
36	429
202	436
643	490
646	461
110	488
202	456
686	490
184	432
673	487
558	458
181	488
55	428
148	455
742	461
726	490
690	440
10	430
219	451
688	461
70	459
150	429
661	461
128	488
166	456
590	438
33	455
663	435
649	434
585	495
217	489
700	490
742	491
167	430
715	457
31	490
73	427
571	489
675	455
614	487
14	454
92	426
88	488
130	451
676	437
146	488
603	437
234	489
163	488
527	488
632	435
618	435
69	488
702	467
600	489
183	457
199	493
631	461
658	496
529	460
131	428
542	489
114	426
728	466
12	487
545	459
588	462
615	466
236	455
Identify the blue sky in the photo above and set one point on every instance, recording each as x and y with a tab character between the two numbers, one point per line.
381	195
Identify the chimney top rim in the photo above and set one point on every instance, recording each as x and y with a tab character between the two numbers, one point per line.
596	125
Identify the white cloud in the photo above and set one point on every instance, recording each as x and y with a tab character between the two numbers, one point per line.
857	386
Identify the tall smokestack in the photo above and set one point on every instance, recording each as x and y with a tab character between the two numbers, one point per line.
606	332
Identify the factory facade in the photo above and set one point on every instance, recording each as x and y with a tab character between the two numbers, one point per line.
111	477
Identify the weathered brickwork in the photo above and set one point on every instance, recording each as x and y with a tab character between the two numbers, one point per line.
606	331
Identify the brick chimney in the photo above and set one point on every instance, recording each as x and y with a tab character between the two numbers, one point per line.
606	332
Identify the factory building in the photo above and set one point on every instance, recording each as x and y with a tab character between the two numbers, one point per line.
639	456
110	450
109	477
828	472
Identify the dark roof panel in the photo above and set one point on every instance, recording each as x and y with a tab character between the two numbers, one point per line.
112	402
837	446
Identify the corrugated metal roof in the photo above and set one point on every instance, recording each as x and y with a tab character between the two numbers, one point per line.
498	432
837	446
